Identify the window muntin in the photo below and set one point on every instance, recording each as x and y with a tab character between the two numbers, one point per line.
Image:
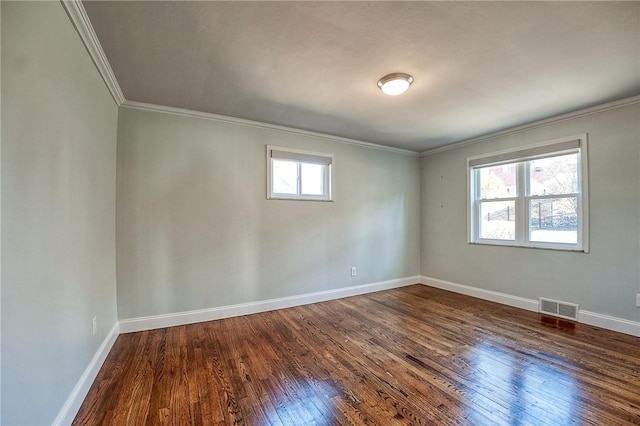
535	196
298	175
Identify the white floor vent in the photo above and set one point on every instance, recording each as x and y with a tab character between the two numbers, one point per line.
559	309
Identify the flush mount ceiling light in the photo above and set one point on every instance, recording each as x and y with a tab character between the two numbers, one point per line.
395	84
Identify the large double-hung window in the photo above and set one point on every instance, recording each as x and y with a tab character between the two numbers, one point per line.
533	196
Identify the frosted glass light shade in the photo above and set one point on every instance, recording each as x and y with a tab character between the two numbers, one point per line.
395	84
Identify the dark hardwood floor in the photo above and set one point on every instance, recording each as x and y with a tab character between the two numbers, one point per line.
414	355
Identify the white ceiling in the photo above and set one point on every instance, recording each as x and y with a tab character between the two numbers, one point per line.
479	67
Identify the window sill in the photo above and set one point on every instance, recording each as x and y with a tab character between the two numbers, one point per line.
300	199
536	247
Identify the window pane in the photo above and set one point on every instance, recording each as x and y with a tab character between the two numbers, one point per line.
498	181
312	178
497	220
554	175
285	177
554	220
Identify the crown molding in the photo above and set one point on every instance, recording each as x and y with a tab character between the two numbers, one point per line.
80	20
260	125
621	103
78	16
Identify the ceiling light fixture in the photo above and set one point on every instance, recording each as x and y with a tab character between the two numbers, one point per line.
395	84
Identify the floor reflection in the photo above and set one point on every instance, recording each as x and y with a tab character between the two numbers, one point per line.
303	402
518	391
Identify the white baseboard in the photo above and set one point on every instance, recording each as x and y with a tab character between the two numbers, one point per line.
79	392
190	317
492	296
74	401
610	323
591	318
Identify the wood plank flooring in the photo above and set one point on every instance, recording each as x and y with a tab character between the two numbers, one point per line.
414	355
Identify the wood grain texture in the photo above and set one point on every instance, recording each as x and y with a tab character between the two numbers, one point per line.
415	355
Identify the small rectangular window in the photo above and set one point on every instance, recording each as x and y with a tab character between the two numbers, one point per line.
298	175
535	196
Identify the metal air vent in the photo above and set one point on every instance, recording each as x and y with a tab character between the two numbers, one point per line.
559	309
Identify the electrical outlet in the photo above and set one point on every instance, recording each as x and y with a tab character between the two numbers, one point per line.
94	326
353	271
638	300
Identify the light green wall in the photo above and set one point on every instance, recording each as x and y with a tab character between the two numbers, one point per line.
195	230
0	218
603	281
59	135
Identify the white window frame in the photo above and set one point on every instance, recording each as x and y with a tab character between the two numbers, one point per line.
520	156
301	156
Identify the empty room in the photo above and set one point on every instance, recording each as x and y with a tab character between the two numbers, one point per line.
319	213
